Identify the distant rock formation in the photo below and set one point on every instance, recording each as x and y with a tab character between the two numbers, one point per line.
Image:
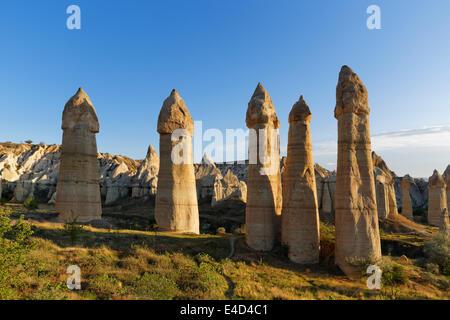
300	215
264	199
228	188
407	209
437	198
206	175
357	231
78	190
384	187
418	191
145	181
176	206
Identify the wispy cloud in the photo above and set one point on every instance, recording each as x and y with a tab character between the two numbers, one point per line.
427	137
416	151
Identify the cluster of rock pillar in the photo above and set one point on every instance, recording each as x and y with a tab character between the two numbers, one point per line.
290	216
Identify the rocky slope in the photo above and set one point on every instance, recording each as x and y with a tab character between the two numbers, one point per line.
32	171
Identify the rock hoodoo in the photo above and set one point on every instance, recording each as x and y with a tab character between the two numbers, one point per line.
300	215
176	206
206	175
444	226
384	188
229	188
407	209
437	198
78	190
357	231
264	199
146	179
446	177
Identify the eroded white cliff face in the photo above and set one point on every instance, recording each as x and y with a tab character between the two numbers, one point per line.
32	171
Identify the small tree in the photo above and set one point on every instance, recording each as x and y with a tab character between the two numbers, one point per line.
30	204
28	141
73	229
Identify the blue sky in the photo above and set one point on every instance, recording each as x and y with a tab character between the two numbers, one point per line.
128	56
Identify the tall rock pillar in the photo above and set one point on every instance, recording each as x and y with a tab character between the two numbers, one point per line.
176	206
407	210
264	198
437	198
300	215
78	189
357	233
446	177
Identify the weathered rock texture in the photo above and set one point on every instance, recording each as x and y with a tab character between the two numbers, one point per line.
78	190
145	181
444	226
407	209
300	215
384	188
264	198
176	206
357	233
228	188
437	198
206	174
446	177
418	190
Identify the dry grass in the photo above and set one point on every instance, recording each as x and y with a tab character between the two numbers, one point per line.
128	264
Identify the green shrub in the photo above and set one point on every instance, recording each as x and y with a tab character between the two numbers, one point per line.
30	204
155	287
14	243
437	250
73	230
393	273
432	267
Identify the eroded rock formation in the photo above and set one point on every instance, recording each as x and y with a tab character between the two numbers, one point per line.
384	188
446	177
176	206
437	198
444	226
264	198
146	179
78	190
357	231
407	209
228	188
300	215
206	174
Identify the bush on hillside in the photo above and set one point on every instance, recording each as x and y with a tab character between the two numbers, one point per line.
437	251
14	244
30	204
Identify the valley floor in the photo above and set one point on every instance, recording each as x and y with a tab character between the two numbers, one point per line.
132	264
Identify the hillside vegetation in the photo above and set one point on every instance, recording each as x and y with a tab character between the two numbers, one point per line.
131	264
